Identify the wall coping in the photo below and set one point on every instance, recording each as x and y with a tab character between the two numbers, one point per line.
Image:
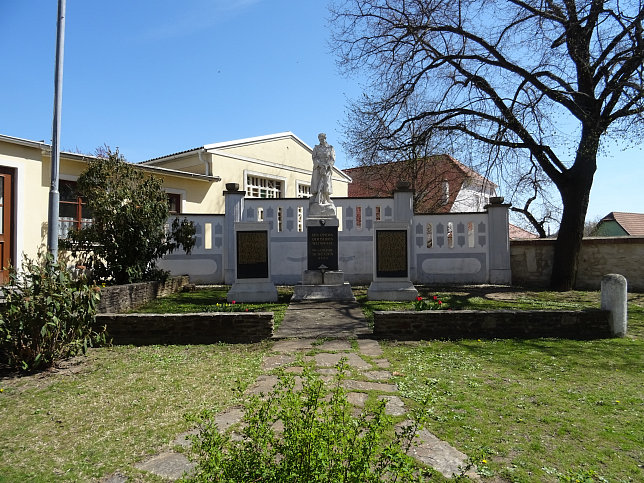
593	240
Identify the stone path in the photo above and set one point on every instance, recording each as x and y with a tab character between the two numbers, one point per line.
312	323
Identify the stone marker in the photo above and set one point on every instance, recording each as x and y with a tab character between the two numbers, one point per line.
614	298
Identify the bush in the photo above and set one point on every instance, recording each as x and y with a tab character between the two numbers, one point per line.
128	233
320	441
47	315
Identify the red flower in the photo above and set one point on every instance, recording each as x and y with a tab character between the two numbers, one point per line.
419	298
440	302
435	297
233	302
246	310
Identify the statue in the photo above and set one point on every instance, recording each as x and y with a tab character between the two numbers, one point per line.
320	203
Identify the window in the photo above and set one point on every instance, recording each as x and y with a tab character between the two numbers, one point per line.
258	187
303	190
444	192
174	203
73	211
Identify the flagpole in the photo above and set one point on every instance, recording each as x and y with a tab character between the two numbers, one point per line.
54	195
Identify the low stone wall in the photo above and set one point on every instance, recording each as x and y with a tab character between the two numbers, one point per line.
531	261
197	328
122	298
477	324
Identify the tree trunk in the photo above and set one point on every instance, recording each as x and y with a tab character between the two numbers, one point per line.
575	194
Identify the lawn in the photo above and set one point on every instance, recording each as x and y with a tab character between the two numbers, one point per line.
114	408
213	299
533	410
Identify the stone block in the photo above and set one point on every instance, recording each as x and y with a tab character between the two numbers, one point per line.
392	290
252	291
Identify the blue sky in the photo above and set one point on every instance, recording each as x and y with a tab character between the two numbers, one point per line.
157	77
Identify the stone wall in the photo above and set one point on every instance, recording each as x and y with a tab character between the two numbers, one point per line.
532	261
198	328
476	324
122	298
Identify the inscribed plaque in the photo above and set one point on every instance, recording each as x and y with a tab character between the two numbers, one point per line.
252	254
322	247
391	253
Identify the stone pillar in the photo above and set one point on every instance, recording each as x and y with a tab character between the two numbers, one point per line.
614	299
233	210
499	241
404	213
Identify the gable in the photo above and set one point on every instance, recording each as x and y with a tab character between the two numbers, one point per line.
618	223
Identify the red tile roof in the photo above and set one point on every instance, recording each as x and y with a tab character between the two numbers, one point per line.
632	223
519	233
427	178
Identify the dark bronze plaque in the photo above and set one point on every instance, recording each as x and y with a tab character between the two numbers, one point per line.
322	247
252	254
391	253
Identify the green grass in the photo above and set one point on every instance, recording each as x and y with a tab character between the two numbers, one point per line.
534	410
114	408
538	409
213	299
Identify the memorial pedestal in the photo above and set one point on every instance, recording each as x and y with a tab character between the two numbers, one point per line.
252	291
323	286
397	291
322	280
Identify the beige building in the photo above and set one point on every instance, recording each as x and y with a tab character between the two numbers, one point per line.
275	166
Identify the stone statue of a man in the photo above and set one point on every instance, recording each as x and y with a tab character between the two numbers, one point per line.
320	203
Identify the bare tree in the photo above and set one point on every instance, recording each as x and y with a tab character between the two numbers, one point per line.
553	78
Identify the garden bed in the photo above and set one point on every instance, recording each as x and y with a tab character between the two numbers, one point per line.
500	324
187	328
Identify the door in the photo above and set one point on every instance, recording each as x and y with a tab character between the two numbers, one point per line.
6	222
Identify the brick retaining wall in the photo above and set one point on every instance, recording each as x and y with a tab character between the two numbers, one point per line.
197	328
476	324
122	298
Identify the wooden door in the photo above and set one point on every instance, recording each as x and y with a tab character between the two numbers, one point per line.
6	223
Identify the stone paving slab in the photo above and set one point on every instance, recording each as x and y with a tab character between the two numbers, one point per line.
291	346
370	347
335	345
438	454
394	406
273	362
326	359
368	386
184	440
378	375
115	478
357	398
169	465
382	363
333	319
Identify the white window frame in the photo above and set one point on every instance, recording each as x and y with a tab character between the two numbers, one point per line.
263	176
303	193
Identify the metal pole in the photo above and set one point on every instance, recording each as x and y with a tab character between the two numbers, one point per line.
54	195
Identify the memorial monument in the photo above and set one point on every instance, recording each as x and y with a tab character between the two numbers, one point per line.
322	280
252	265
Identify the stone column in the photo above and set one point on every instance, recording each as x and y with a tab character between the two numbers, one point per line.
233	210
499	241
404	213
614	299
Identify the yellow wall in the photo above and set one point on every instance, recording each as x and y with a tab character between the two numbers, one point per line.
282	158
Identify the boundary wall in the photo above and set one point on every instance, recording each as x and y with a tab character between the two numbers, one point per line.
532	261
443	248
